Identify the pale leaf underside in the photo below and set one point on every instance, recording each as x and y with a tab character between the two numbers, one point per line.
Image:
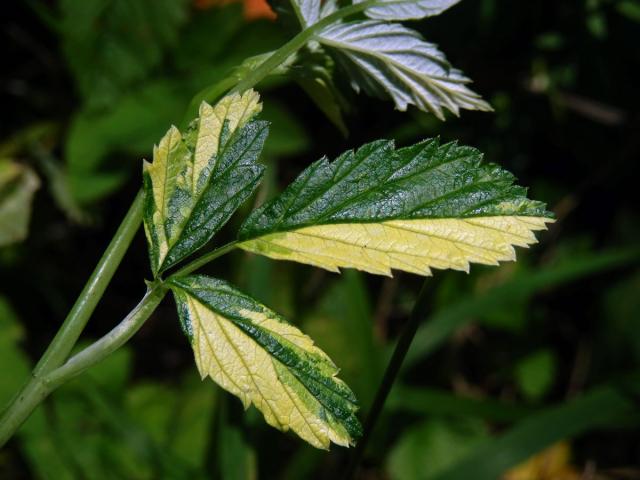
197	179
18	184
307	11
407	9
390	60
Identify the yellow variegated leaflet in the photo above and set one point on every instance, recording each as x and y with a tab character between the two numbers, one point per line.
254	354
414	209
198	179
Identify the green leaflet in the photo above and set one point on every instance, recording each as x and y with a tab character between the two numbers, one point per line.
199	178
423	206
255	354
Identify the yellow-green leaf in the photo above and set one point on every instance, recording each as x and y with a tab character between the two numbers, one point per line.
413	209
199	178
18	184
256	355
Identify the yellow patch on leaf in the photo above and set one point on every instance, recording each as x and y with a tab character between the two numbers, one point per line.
241	366
414	246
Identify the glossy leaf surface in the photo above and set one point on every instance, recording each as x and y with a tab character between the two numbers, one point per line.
199	178
416	208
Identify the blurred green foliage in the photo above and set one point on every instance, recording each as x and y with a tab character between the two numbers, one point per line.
510	360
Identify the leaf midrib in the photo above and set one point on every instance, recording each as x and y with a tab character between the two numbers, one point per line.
214	175
237	321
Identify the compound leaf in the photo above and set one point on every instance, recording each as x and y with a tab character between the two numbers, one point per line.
199	178
256	355
389	60
406	9
416	208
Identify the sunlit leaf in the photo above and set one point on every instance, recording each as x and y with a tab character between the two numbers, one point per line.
389	60
255	354
199	178
109	45
417	208
307	11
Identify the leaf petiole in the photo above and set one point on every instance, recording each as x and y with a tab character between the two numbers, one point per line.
204	259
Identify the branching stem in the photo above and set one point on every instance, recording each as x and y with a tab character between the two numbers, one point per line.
40	386
51	371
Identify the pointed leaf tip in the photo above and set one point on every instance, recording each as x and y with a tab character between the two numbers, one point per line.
256	355
199	177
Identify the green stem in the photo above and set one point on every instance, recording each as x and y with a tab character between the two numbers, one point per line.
70	331
36	390
204	259
295	44
399	353
231	84
39	387
113	340
48	374
32	394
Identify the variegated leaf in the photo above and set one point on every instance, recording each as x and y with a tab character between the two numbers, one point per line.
256	355
200	177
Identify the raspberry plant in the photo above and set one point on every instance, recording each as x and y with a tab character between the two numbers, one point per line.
432	205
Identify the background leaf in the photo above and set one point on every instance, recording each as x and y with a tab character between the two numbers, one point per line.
593	410
407	9
131	40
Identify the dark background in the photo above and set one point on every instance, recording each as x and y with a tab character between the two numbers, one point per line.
543	353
